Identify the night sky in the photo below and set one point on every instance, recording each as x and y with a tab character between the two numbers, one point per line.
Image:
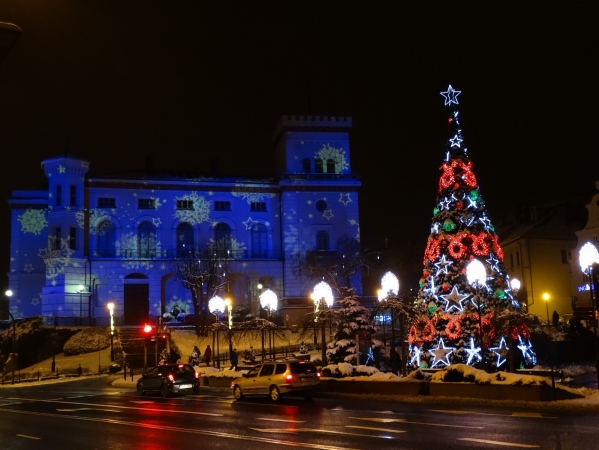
186	82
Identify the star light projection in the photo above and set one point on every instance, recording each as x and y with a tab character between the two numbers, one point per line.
458	321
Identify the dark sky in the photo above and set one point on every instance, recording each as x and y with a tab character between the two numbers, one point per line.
187	82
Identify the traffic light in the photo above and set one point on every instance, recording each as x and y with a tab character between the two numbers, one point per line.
148	332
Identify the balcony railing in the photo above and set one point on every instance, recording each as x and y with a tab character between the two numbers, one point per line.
321	176
178	253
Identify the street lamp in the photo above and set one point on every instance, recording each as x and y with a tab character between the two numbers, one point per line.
110	307
477	277
389	287
322	297
588	257
268	301
216	305
8	293
546	298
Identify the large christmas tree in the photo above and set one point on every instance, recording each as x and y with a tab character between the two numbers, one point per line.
464	288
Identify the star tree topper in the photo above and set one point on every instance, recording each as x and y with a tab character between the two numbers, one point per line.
451	95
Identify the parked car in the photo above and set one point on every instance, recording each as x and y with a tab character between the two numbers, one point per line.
275	378
170	379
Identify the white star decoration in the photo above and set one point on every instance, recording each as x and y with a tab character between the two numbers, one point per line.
486	222
445	203
527	351
61	169
455	141
415	353
451	95
493	261
344	198
28	268
441	354
501	352
327	214
156	221
455	298
35	301
249	223
473	352
443	264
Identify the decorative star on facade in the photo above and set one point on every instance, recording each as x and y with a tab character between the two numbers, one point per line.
501	352
455	141
443	264
61	169
451	95
249	223
156	221
328	214
441	354
454	300
35	301
473	352
344	198
28	268
163	267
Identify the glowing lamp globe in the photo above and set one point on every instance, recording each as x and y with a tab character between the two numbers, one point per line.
587	256
515	284
476	273
389	284
216	305
268	300
322	291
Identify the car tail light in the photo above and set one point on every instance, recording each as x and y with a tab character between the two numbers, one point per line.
317	374
197	375
289	378
171	377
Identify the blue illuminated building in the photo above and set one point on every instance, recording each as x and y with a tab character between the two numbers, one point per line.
88	240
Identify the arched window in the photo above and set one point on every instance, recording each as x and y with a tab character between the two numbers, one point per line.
318	165
222	239
322	240
146	234
259	241
184	238
106	244
306	165
330	166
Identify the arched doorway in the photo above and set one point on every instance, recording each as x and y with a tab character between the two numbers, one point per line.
137	299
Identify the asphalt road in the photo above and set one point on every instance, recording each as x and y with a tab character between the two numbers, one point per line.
91	414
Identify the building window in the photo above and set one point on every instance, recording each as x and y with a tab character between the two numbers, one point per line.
222	239
564	255
184	239
106	202
318	165
147	240
222	206
73	238
73	196
322	240
58	195
146	203
321	205
106	244
306	166
330	166
185	204
258	206
259	241
58	238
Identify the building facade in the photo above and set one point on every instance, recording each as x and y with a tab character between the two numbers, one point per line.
87	240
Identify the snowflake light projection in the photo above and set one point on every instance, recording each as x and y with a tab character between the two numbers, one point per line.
33	221
96	216
129	250
56	256
336	154
251	193
237	247
175	304
290	238
199	213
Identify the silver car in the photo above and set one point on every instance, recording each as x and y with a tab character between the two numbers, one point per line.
275	378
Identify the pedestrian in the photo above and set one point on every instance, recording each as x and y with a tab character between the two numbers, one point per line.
79	370
395	361
555	319
194	359
234	360
207	355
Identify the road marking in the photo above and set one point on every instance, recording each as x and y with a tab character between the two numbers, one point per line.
29	437
89	409
516	414
386	430
315	430
534	415
506	444
385	420
141	401
280	420
185	430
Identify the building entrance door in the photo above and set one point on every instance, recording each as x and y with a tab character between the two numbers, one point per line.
137	304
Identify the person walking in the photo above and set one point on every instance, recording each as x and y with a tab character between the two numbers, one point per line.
395	361
234	360
207	355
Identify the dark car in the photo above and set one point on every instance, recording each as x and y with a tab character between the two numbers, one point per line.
190	319
170	379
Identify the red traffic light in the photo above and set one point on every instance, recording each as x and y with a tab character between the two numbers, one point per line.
147	329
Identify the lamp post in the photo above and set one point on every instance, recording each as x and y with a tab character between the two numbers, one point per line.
588	257
110	307
477	277
515	285
14	335
268	301
229	321
216	305
546	298
323	298
54	336
80	289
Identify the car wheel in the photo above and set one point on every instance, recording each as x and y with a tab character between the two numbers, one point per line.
237	393
140	390
275	394
196	389
165	390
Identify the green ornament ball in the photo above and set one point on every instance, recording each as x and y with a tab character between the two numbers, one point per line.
448	225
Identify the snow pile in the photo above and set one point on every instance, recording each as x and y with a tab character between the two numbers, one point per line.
467	374
213	372
573	369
